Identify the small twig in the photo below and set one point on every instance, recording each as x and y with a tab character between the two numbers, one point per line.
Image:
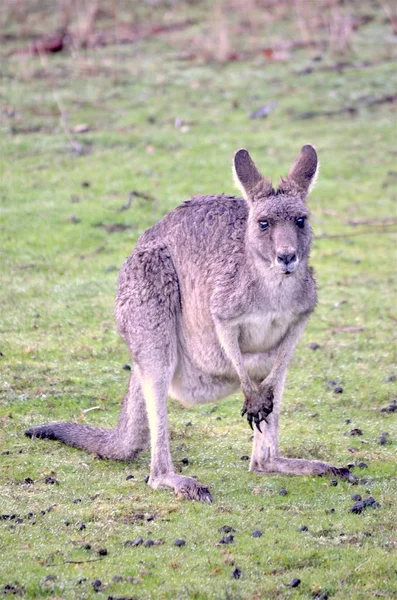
376	222
341	66
311	114
347	329
86	410
362	564
352	110
370	101
332	213
73	562
134	194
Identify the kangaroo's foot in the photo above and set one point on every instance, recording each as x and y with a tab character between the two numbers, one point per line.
258	404
184	486
299	466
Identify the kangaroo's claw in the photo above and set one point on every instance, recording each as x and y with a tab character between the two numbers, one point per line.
250	418
255	417
264	415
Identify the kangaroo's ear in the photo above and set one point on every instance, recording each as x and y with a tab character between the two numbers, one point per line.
246	175
305	169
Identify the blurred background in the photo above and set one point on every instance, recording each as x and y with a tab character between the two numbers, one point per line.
112	113
219	30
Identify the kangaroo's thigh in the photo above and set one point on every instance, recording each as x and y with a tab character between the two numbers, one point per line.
148	305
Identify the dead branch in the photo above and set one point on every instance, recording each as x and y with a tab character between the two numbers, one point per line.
384	229
376	222
73	562
134	194
347	329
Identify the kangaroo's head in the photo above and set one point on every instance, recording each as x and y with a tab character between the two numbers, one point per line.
278	230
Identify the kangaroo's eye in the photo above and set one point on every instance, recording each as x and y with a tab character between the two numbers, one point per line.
263	224
300	221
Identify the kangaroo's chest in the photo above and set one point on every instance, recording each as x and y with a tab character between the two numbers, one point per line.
262	331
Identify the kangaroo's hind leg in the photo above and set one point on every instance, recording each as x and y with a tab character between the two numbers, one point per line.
162	473
131	434
147	310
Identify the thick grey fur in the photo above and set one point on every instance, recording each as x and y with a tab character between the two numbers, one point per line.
208	302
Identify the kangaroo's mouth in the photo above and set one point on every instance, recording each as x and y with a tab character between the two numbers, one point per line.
287	270
286	262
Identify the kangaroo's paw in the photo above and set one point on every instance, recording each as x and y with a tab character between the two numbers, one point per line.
299	466
183	486
258	405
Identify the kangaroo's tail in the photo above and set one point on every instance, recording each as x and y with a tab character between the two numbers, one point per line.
94	439
130	436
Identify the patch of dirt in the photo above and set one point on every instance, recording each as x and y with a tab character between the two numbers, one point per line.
140	518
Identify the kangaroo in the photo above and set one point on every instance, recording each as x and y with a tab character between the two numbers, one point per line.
214	296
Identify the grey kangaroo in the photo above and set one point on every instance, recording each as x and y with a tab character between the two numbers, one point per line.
214	296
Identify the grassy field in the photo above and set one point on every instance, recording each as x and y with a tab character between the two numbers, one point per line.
163	120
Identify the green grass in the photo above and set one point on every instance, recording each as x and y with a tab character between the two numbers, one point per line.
61	354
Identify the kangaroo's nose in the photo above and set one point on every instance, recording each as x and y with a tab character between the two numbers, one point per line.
286	259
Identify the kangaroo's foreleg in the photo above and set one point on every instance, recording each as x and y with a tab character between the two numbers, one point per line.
228	338
259	399
265	456
259	404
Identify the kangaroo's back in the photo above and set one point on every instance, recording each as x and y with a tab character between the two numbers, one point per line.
200	227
